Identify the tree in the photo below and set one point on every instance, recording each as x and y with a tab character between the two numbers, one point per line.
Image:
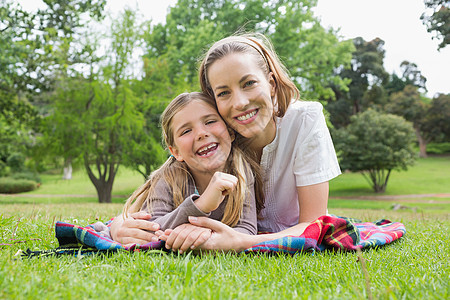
18	118
435	124
412	75
367	75
96	112
409	104
310	52
438	21
375	144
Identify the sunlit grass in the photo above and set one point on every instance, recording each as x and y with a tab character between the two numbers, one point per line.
416	267
427	176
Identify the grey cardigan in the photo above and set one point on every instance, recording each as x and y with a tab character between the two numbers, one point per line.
164	213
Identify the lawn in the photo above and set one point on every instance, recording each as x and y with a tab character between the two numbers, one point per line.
415	267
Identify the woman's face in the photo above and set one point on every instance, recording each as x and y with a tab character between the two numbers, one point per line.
243	94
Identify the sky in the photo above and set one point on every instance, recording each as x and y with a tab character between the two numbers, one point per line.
397	22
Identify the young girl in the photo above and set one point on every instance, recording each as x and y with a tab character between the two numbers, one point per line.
205	176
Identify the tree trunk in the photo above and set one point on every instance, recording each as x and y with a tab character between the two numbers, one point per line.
104	183
422	143
104	191
67	170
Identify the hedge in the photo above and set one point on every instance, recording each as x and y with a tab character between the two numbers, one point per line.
13	186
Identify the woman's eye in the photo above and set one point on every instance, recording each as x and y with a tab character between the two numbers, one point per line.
221	94
249	83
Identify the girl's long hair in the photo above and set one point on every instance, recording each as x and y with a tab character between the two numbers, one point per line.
177	176
268	61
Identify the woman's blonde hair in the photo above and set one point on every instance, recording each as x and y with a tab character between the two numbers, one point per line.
261	48
177	176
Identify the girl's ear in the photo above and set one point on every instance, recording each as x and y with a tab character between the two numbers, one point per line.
273	85
174	151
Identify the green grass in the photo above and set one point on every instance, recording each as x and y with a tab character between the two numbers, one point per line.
427	176
416	267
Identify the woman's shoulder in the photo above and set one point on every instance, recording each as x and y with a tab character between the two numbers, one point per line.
301	113
304	107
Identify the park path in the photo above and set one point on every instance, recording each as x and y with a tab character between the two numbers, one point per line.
414	198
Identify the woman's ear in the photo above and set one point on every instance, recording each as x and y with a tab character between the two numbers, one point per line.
175	153
273	84
232	134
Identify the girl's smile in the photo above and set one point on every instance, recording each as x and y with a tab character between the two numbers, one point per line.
201	138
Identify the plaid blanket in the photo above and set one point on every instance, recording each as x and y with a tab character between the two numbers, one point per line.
338	233
327	232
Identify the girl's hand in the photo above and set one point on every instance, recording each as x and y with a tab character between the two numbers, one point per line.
136	229
185	237
221	184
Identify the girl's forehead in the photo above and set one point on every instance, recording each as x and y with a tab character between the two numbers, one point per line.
200	107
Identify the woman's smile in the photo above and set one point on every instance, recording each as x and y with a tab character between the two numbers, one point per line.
247	117
243	94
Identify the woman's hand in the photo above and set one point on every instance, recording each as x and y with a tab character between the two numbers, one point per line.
223	237
185	237
135	229
220	185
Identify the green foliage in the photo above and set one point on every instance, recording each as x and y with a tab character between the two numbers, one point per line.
14	186
27	176
106	109
407	104
375	144
438	148
436	124
366	75
16	161
309	52
438	21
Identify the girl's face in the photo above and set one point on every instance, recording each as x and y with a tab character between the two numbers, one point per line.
201	138
243	94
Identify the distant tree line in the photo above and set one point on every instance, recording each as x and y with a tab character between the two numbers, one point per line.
72	93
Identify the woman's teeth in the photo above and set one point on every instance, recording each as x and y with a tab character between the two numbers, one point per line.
247	116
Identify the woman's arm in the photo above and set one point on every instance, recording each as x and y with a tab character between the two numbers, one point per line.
312	199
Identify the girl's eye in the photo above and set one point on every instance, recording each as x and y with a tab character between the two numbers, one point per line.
210	122
249	83
185	131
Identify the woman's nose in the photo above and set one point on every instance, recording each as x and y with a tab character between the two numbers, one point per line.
240	101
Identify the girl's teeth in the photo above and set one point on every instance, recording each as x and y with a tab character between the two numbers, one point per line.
206	148
247	116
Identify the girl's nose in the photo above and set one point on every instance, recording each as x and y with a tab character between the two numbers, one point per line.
201	133
240	101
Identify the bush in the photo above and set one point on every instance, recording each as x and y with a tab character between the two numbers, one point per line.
375	144
27	175
16	161
438	148
3	169
12	186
